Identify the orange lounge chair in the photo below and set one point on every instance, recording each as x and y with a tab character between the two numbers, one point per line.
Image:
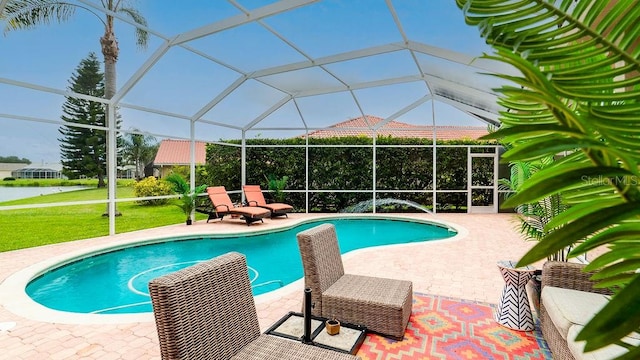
222	205
254	197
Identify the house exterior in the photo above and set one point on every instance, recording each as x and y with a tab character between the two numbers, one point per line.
358	127
7	168
38	171
126	172
177	153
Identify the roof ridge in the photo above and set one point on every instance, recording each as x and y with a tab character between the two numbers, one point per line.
365	118
183	140
342	123
390	126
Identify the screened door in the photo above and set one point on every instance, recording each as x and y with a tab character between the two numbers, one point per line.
482	179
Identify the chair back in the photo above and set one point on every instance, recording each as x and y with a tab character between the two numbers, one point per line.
219	198
205	311
254	196
321	261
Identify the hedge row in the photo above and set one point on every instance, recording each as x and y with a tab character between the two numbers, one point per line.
347	163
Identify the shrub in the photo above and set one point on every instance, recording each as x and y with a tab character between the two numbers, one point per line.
404	164
9	179
150	186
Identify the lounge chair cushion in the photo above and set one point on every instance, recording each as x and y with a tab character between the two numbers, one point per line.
278	207
254	197
252	211
222	204
253	193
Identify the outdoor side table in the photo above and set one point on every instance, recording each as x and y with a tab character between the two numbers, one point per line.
514	311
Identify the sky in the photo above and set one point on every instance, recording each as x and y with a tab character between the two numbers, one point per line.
183	82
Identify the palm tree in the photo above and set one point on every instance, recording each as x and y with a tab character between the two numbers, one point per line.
28	14
139	149
578	92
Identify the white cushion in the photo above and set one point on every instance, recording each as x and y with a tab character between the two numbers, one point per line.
605	353
567	307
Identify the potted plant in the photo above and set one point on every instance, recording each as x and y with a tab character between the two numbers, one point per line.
333	326
535	217
276	186
188	195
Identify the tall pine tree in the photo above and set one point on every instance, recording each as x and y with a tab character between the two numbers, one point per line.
83	149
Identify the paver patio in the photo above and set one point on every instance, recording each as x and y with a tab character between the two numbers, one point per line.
464	267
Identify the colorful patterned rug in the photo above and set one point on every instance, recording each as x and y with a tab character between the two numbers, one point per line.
447	328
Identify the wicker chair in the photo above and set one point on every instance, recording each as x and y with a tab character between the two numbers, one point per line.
569	276
207	311
382	305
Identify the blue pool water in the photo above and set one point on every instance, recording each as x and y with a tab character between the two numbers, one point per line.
116	281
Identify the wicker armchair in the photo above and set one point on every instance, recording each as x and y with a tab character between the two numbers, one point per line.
382	305
207	311
569	276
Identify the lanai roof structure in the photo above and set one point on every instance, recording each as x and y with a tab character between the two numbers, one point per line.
274	79
241	69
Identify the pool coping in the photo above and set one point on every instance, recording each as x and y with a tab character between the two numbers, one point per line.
15	299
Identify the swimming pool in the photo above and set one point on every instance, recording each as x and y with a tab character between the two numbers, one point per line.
115	282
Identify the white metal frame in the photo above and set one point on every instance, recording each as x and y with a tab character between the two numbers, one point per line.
477	102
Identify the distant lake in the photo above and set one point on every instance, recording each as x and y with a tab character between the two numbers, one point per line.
20	192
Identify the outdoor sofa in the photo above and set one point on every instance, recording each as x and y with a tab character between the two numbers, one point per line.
568	301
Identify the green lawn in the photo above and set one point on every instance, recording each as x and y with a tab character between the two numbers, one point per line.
25	228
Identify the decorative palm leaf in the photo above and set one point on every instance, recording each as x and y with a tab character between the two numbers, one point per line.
189	195
579	93
534	217
277	185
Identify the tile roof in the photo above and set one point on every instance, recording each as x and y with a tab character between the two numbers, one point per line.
358	127
178	152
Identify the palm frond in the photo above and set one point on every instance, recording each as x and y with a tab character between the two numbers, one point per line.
142	36
179	184
579	93
28	14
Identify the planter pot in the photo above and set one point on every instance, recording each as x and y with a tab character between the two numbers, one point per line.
333	327
189	221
